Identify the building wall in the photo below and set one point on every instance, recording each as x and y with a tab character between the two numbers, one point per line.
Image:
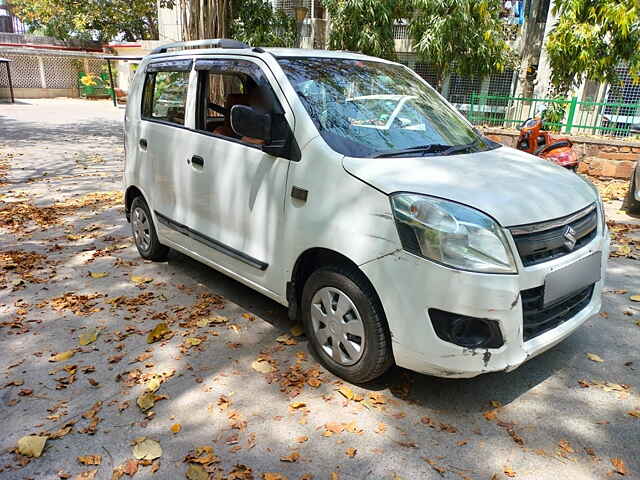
43	74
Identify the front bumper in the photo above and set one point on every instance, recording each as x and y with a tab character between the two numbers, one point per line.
409	285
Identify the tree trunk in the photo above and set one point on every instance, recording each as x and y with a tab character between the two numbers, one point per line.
531	50
203	19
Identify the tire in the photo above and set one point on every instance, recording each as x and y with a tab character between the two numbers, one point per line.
630	204
363	349
144	232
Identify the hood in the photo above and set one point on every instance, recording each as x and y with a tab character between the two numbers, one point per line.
513	187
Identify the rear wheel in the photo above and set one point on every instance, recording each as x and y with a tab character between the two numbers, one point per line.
631	205
345	324
144	232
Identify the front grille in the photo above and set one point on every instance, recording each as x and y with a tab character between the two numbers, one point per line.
538	319
541	242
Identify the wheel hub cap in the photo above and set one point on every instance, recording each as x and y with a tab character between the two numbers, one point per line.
337	325
141	228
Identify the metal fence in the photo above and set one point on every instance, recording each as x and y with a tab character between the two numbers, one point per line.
570	116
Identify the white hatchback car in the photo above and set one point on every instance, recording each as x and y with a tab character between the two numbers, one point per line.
420	242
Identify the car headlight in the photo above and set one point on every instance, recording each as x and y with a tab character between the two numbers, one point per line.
452	234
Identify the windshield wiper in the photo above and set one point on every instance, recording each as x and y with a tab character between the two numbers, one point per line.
431	148
459	148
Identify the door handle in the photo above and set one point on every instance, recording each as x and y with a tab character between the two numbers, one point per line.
197	160
143	143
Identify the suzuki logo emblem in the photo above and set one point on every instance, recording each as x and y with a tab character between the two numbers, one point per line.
569	238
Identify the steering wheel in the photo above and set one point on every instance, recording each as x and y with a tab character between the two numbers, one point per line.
216	108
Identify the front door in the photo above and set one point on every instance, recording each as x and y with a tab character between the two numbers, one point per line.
235	191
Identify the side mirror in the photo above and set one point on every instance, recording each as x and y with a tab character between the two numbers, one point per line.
246	122
272	128
635	129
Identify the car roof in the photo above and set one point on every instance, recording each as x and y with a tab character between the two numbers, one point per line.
307	52
276	52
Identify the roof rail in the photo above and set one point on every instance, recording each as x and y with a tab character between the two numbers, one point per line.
211	42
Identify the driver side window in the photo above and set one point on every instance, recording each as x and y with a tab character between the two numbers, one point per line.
222	84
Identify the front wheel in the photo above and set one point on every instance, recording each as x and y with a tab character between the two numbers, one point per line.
144	232
346	325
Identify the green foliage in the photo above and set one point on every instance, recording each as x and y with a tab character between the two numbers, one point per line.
591	38
101	20
460	36
363	26
553	115
257	23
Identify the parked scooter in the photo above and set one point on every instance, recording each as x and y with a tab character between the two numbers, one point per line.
539	142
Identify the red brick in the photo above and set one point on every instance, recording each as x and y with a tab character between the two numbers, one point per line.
624	149
583	167
635	149
620	156
624	169
496	138
609	148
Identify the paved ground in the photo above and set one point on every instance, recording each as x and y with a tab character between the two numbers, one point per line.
537	422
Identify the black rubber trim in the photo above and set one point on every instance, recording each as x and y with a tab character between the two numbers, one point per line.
210	242
179	65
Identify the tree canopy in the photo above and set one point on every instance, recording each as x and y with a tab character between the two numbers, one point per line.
461	36
363	26
258	23
101	20
591	38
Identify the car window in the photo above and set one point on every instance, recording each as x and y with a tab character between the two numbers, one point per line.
223	84
165	96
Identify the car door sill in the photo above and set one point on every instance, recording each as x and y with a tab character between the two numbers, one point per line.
210	242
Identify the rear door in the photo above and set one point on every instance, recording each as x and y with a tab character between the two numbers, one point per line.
163	135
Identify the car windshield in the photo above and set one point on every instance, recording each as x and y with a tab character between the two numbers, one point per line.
369	108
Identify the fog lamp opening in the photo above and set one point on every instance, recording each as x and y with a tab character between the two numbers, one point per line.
464	331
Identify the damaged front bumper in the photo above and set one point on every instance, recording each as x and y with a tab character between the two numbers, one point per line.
411	287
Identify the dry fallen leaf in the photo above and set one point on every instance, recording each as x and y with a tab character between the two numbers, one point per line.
158	332
619	466
351	452
31	445
292	457
273	476
176	427
594	358
566	446
146	449
61	357
192	341
196	472
635	298
88	337
296	330
262	366
490	415
87	475
509	472
147	400
90	459
297	405
98	274
139	280
346	392
635	413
